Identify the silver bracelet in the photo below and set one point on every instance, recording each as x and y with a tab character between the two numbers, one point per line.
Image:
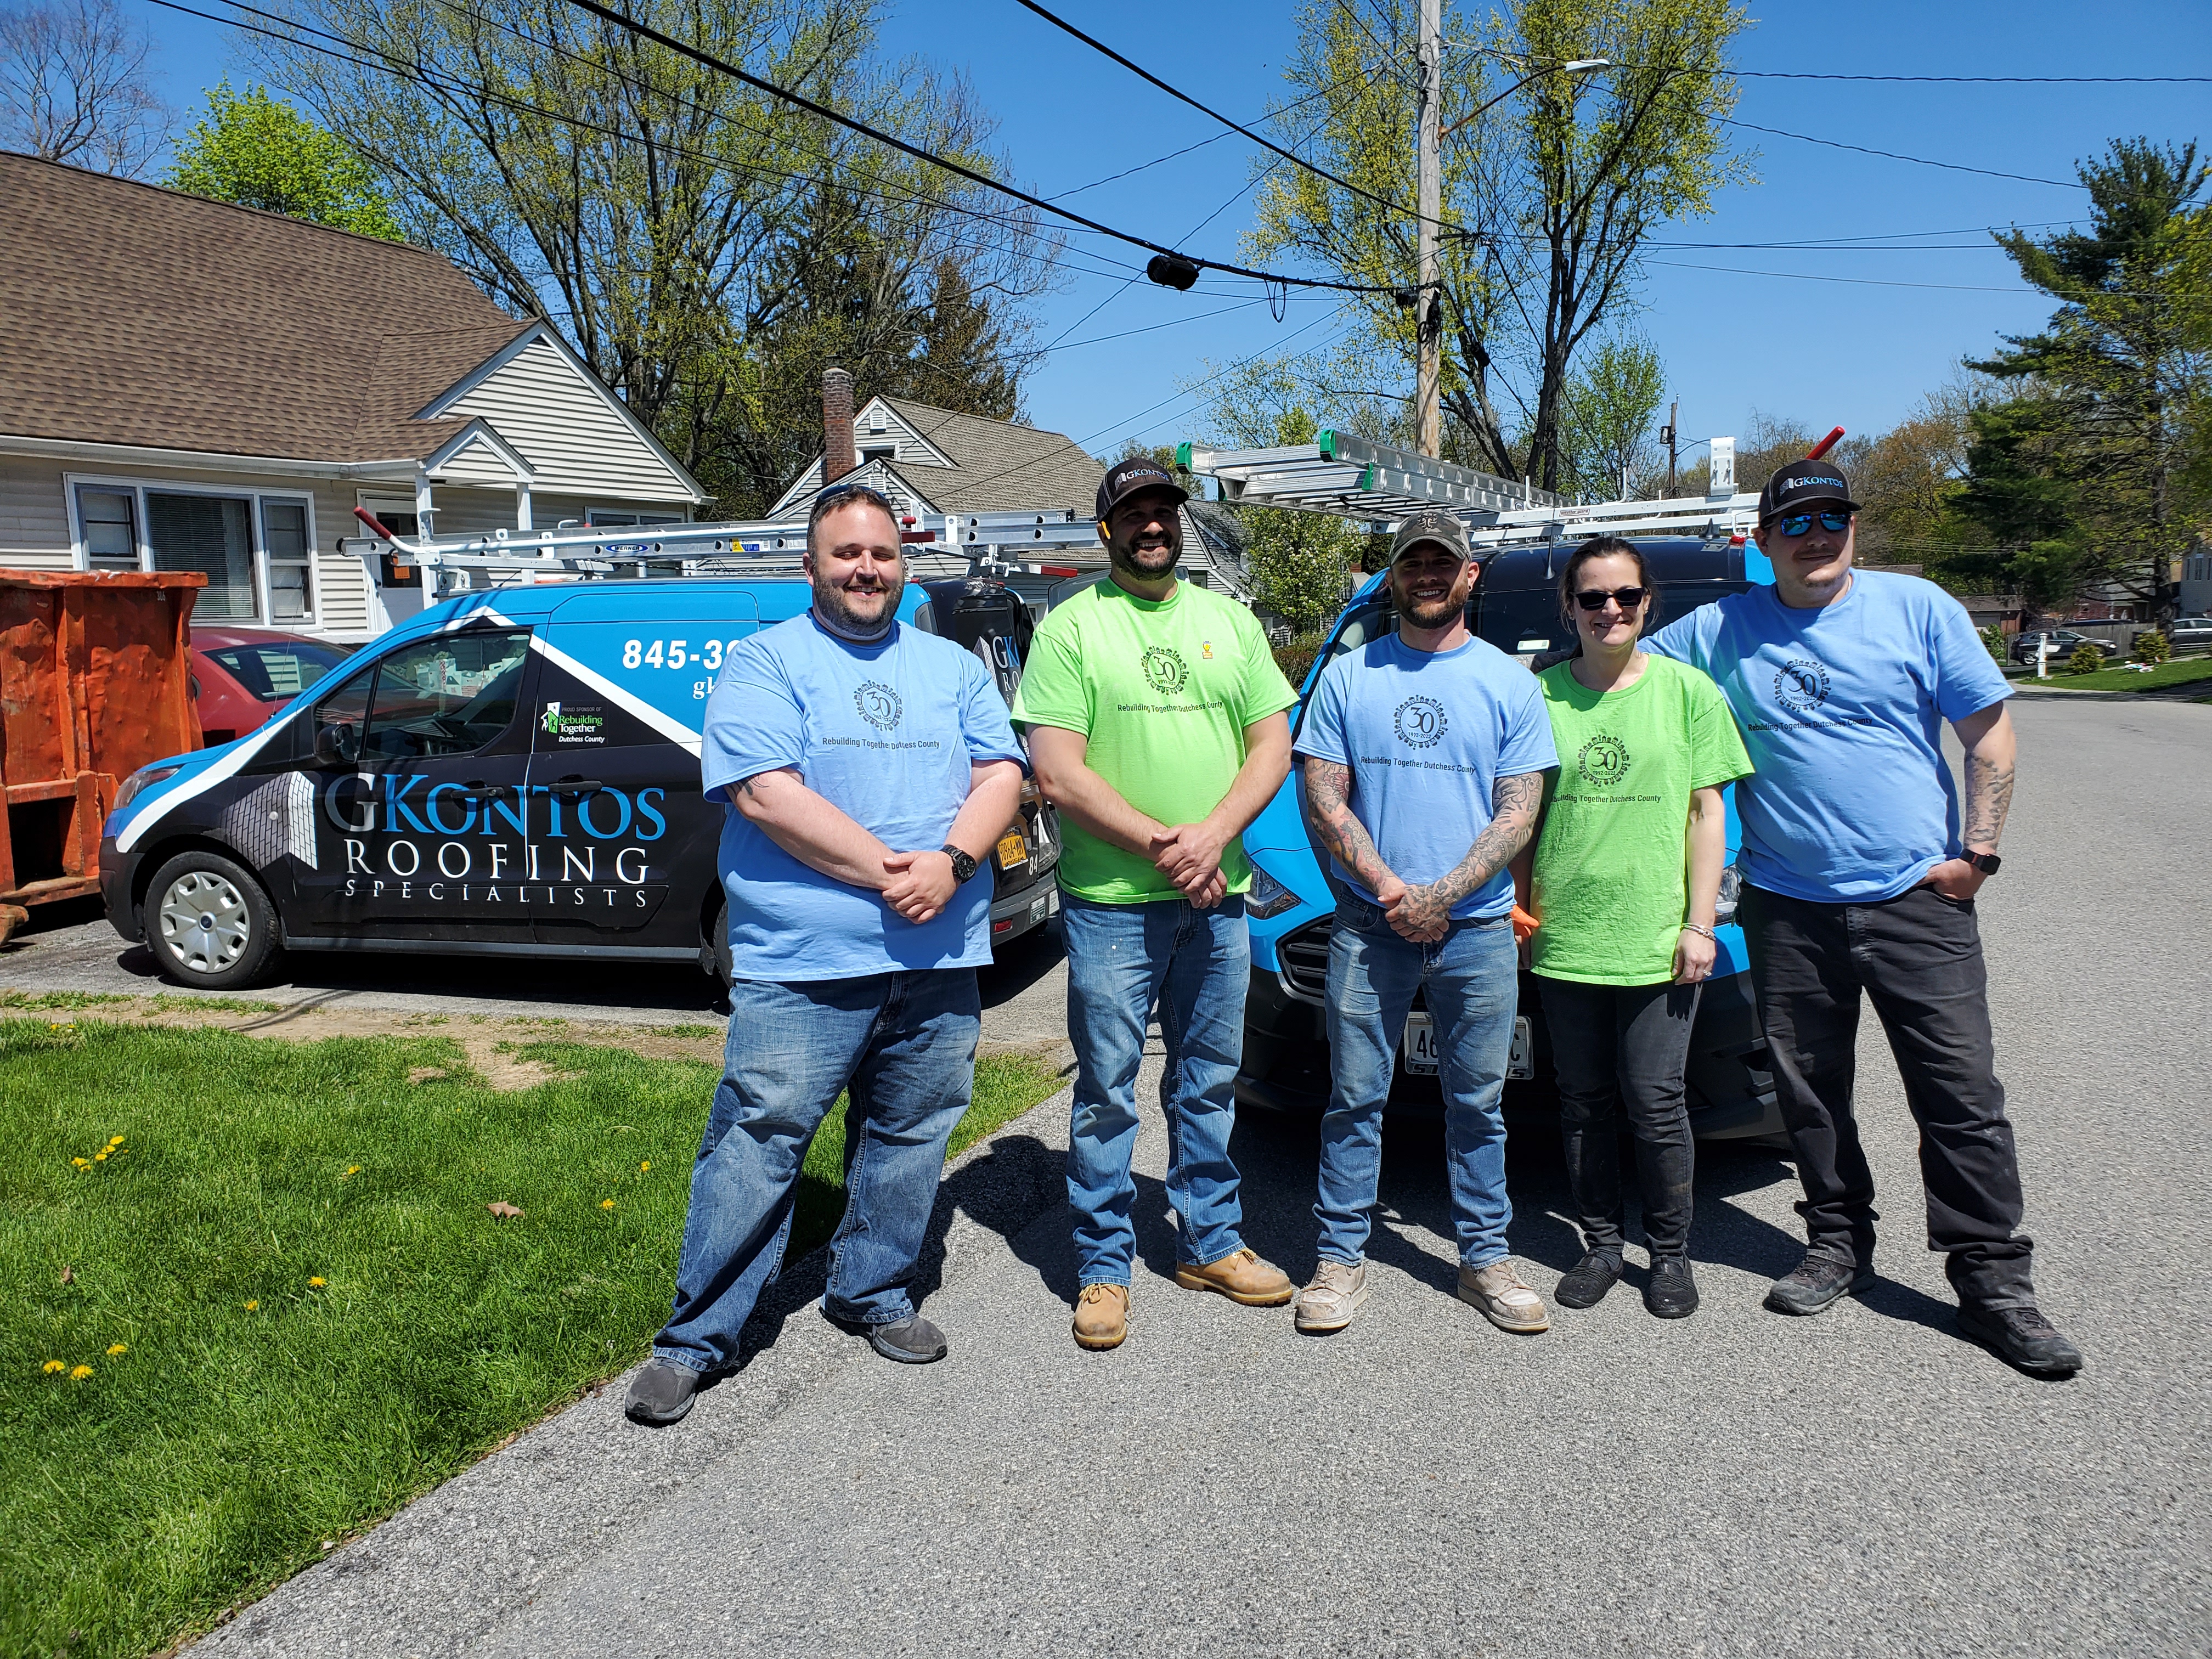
1692	927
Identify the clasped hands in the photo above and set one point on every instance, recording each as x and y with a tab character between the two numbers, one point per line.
1420	915
1190	855
921	884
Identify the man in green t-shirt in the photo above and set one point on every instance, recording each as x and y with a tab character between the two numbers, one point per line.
1156	720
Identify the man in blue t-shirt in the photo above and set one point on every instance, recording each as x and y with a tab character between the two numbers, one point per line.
1411	742
869	769
1860	872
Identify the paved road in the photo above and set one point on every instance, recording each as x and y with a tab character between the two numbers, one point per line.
1735	1483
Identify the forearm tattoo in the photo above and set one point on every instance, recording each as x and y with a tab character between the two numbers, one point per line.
1328	810
1515	803
1989	799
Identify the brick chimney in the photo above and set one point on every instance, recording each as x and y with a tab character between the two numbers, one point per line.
837	458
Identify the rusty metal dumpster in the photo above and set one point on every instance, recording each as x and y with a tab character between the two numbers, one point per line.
95	681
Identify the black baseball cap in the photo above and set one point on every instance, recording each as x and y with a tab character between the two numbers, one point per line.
1430	526
1125	478
1801	484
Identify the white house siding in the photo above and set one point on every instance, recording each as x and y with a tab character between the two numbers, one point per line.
480	512
563	426
909	448
34	514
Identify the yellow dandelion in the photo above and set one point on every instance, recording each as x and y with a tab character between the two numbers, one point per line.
315	1284
78	1373
251	1306
100	1157
606	1204
117	1348
53	1365
115	1141
81	1163
353	1169
643	1167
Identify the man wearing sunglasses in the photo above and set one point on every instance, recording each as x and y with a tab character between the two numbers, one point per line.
1860	871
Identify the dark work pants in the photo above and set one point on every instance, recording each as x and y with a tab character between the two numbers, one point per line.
1621	1049
1918	958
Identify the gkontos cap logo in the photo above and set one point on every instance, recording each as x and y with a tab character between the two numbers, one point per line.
1165	671
878	705
1603	759
1420	722
1802	684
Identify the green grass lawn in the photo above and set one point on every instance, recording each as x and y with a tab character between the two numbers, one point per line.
2180	672
251	1298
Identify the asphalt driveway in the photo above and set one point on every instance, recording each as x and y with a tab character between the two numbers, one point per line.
1864	1483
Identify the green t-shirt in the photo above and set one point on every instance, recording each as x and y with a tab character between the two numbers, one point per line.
1612	872
1162	692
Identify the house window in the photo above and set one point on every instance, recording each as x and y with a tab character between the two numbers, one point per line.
878	453
256	551
601	515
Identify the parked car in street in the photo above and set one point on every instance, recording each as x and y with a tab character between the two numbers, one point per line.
2063	643
2189	632
242	676
1516	607
514	772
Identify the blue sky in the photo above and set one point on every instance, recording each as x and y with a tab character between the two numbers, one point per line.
1857	353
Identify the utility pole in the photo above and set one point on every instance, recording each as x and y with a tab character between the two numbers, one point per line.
1428	307
1673	423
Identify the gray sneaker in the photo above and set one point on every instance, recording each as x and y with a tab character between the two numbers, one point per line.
1334	1296
661	1394
1504	1301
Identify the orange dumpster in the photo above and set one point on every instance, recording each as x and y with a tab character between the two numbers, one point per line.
95	681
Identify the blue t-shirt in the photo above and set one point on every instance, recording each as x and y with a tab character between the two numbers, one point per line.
1842	709
1427	735
885	733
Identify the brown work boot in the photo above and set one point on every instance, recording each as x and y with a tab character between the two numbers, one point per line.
1241	1277
1505	1302
1102	1315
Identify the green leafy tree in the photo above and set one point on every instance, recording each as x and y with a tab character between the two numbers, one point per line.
1611	402
1549	199
259	152
2095	474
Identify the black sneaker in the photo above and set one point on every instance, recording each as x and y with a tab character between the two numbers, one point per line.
661	1394
1818	1281
911	1341
1586	1282
1671	1292
2022	1336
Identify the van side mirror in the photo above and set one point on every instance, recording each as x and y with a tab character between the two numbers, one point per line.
337	745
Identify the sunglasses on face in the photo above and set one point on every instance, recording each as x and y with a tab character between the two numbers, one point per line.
1594	598
1798	523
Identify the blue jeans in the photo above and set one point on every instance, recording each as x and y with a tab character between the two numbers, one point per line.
1195	966
1470	980
904	1044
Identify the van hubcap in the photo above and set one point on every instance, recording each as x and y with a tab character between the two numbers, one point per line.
205	922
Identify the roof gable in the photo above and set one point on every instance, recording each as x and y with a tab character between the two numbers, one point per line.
984	466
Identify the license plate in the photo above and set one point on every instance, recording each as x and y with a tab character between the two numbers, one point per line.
1418	1049
1013	850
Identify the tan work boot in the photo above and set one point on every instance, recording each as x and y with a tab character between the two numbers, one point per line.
1241	1277
1102	1315
1334	1296
1505	1302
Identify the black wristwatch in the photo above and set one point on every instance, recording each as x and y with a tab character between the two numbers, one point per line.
962	865
1987	863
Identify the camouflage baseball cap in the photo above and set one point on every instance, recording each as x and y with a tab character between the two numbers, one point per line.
1430	526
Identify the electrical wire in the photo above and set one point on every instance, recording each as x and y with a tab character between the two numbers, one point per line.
1987	79
1856	282
1894	156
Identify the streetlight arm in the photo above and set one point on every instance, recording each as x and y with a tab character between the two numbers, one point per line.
1578	66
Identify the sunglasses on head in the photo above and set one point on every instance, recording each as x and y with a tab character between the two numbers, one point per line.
1798	523
1594	598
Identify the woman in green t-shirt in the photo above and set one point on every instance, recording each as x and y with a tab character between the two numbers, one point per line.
1623	878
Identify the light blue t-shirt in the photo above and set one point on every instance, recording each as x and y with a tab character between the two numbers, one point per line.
885	733
1842	709
1427	735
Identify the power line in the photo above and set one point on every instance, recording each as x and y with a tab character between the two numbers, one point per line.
1856	282
1318	91
1986	79
1143	74
799	100
1894	156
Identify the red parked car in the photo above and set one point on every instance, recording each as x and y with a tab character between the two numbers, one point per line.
241	676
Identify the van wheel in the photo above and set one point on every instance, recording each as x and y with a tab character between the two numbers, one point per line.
720	928
209	923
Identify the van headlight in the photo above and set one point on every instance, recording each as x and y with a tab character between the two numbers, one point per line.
1268	897
140	781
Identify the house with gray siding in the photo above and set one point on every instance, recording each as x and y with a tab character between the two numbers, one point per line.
188	385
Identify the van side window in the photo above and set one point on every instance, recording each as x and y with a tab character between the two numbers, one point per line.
448	695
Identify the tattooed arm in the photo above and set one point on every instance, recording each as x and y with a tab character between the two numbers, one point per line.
1987	737
1516	804
1328	810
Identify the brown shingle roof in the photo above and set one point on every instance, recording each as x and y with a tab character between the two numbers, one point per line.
131	315
999	466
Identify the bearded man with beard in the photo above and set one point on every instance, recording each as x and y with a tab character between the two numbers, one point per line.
1409	743
868	768
1156	726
